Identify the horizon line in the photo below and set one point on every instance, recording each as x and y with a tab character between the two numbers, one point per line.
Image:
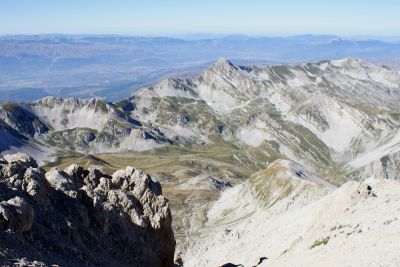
211	35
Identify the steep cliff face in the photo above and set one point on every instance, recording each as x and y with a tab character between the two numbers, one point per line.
77	217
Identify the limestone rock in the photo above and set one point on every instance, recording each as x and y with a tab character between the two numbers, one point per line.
16	214
21	159
61	181
82	217
218	183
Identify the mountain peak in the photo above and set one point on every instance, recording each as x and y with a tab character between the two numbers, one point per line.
348	61
222	64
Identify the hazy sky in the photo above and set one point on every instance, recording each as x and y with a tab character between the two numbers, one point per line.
166	17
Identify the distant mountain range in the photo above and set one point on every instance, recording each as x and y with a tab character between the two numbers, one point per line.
112	67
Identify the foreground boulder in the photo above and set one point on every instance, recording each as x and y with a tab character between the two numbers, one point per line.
77	217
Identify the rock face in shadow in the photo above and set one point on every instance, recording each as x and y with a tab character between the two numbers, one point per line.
78	217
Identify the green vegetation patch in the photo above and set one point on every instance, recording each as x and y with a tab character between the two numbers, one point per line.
320	242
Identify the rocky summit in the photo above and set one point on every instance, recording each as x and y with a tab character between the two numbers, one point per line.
81	217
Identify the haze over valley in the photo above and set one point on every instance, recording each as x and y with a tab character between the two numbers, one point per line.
112	67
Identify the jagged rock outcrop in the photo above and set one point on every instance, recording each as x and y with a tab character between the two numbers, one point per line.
219	184
78	217
17	214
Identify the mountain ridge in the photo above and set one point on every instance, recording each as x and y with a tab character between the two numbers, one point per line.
298	111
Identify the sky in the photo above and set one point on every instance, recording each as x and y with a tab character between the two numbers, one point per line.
171	17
